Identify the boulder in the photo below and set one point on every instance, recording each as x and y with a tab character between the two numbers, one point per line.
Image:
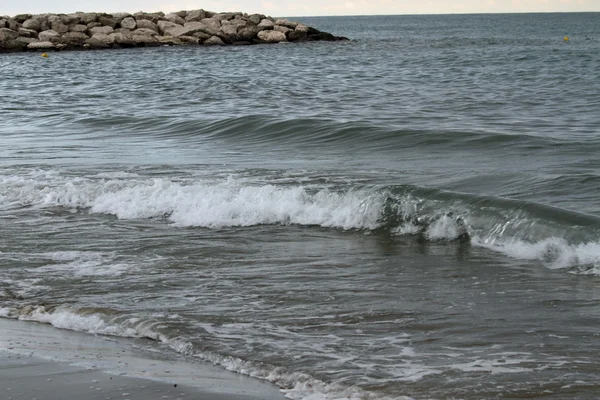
144	32
272	36
122	39
33	24
49	36
96	44
296	36
94	25
20	18
69	19
3	22
74	38
128	23
41	46
147	24
120	16
195	15
281	28
142	39
255	18
224	16
189	39
169	40
13	45
57	25
86	18
78	28
229	29
174	18
213	26
248	33
164	26
213	41
108	40
106	20
302	28
28	33
201	35
266	24
8	34
153	17
287	23
101	29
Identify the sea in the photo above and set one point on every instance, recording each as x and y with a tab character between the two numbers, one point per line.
410	214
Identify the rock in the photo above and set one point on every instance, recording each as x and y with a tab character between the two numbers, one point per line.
12	24
74	38
94	25
181	13
147	24
266	24
108	21
255	18
153	17
213	41
144	32
57	25
78	28
248	33
26	40
87	18
28	33
302	28
3	22
122	39
96	44
213	26
142	39
224	16
120	16
128	23
296	36
201	35
272	36
229	29
33	24
20	18
174	18
281	28
108	40
8	34
49	36
164	26
189	39
101	29
169	40
41	46
286	23
13	45
69	19
195	15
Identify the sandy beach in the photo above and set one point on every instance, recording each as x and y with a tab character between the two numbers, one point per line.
41	362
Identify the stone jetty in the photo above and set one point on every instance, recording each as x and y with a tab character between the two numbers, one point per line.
44	32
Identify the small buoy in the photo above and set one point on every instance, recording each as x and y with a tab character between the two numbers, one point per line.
45	55
566	39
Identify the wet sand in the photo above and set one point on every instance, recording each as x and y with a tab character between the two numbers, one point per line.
41	362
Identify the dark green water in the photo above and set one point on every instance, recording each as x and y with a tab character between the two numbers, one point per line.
411	213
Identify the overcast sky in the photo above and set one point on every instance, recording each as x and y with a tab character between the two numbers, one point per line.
303	7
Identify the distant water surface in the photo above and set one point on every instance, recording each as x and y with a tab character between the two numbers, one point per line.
410	214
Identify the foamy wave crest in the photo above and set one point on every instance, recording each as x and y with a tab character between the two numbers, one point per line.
295	385
554	252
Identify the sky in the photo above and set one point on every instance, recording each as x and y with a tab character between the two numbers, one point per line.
303	7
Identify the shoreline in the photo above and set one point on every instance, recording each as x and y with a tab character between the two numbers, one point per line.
89	31
40	359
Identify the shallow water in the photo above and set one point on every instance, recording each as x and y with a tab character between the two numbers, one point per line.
411	213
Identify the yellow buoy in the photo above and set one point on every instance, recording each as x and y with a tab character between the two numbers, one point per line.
566	39
45	55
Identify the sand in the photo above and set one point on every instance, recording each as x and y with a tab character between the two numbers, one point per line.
41	362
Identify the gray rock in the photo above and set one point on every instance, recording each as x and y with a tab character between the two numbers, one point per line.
128	23
153	17
94	25
248	33
108	21
49	36
281	28
164	26
144	32
20	18
3	22
213	41
12	24
147	24
255	18
13	45
225	16
201	35
195	15
122	39
302	28
74	38
78	28
266	24
169	40
26	40
120	16
101	29
286	23
109	40
57	25
272	36
28	33
229	29
8	34
87	18
141	39
32	23
69	19
94	43
41	46
296	36
181	13
189	39
213	26
174	18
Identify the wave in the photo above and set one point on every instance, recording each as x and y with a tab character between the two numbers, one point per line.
295	385
260	130
523	230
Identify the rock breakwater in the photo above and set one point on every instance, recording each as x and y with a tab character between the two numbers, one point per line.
26	32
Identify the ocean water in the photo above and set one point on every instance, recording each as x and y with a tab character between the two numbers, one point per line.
412	214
